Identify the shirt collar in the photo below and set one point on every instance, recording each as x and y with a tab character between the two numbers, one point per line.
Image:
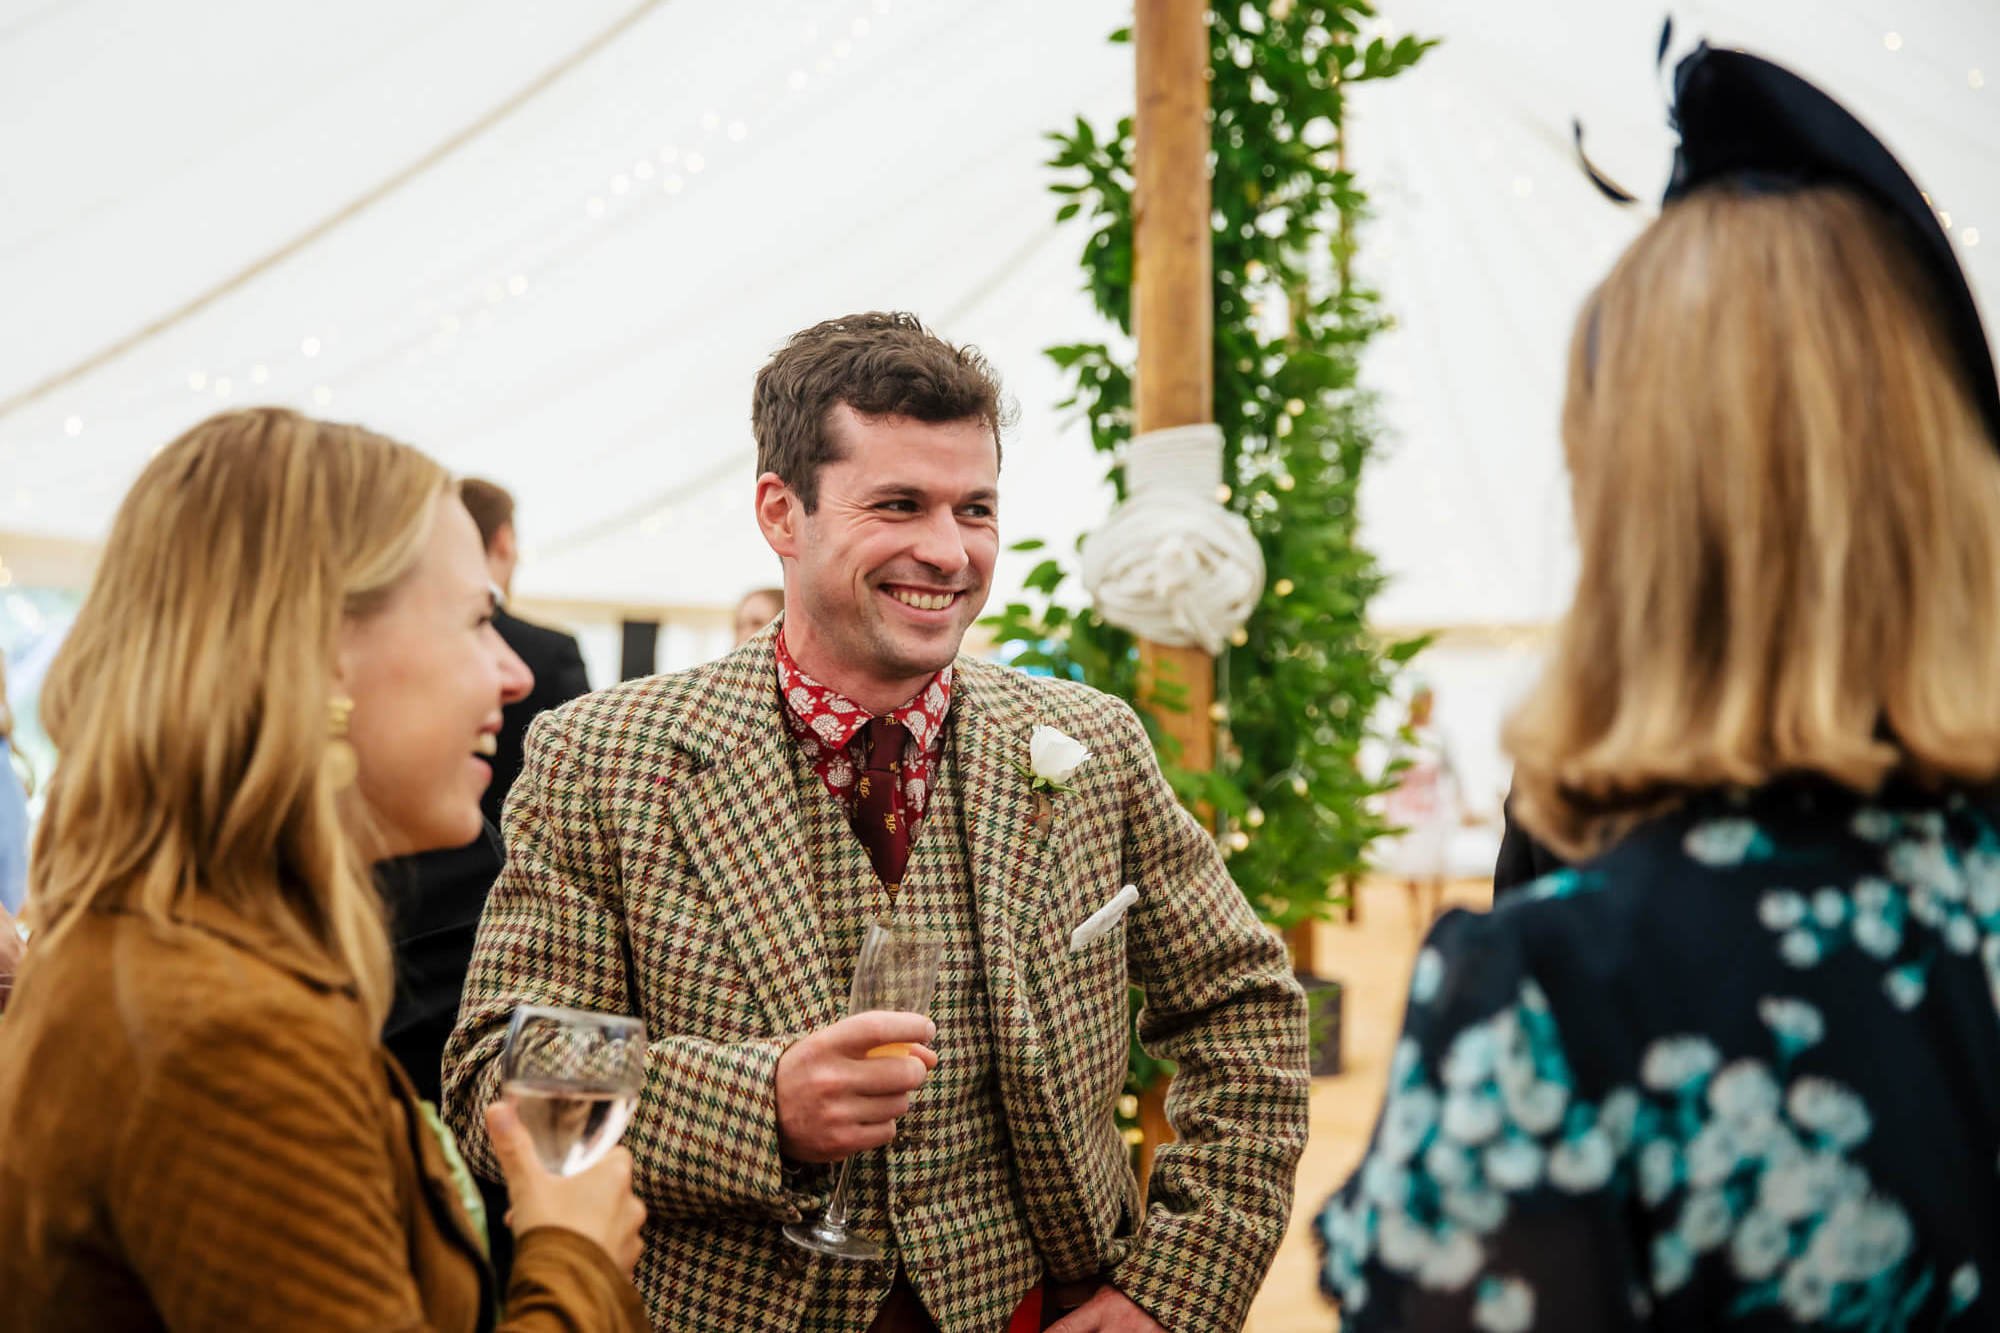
836	719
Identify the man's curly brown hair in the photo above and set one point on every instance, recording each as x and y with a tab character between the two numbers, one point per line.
880	363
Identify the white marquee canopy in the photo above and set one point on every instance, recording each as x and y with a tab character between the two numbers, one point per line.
552	242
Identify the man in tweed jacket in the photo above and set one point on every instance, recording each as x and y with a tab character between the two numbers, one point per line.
684	848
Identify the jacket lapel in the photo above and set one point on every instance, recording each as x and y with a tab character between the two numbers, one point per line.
736	818
1010	857
1012	864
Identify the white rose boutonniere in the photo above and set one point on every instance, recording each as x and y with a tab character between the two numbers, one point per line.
1053	759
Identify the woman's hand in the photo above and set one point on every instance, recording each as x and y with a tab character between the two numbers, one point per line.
598	1203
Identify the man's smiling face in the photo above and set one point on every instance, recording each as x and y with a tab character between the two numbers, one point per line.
894	564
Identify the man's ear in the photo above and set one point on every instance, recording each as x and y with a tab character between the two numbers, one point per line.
779	515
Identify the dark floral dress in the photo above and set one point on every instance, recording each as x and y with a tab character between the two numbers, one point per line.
1743	1070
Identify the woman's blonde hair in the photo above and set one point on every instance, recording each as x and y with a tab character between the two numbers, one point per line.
190	701
1788	513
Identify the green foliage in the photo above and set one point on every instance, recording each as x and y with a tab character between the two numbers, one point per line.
1297	690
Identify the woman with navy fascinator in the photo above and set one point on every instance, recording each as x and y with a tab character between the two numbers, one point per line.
1738	1062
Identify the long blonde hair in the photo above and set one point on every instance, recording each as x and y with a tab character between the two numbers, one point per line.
1788	513
189	703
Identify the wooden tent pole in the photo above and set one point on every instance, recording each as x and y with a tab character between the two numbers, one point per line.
1174	320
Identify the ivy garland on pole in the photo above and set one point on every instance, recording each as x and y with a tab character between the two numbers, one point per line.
1296	691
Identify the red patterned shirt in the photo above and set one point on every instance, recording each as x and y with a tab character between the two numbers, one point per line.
826	724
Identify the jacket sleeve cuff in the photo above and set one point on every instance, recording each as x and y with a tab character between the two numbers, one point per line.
563	1279
1187	1298
709	1141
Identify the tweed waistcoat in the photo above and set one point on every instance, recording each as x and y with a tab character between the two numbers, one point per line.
945	1191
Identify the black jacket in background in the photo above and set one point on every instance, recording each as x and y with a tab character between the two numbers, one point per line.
435	900
558	666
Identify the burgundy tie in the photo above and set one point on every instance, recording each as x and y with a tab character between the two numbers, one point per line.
880	820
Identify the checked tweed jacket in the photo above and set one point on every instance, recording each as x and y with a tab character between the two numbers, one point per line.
661	863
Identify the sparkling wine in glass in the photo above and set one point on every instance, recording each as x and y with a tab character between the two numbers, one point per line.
898	971
573	1077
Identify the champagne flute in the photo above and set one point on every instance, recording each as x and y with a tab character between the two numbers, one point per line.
574	1077
897	970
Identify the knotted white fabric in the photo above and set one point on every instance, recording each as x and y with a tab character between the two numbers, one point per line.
1171	564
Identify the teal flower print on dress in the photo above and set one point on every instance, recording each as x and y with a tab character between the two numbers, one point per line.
1564	883
1673	1263
1504	1305
1741	1165
1746	1099
1762	1242
1927	866
1425	976
1407	1124
1474	1054
1726	842
1583	1163
1674	1063
1403	1062
1829	1111
1964	1287
1781	909
1931	902
1796	1024
1982	879
1471	1116
1480	1211
1737	1182
1874	825
1906	986
1660	1171
1801	948
1452	1150
1879	913
1706	1221
1514	1164
1618	1118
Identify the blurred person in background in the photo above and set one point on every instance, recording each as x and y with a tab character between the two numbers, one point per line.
1738	1064
757	609
1427	805
552	656
285	670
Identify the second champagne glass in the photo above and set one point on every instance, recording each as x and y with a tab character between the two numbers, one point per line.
574	1077
897	970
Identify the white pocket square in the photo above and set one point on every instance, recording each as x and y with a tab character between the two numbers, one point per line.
1100	922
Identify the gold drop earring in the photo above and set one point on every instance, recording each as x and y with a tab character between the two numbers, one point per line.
341	762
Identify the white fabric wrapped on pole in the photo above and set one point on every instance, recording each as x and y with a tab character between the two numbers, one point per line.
1171	564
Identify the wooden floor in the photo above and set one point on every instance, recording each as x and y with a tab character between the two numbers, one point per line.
1373	960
